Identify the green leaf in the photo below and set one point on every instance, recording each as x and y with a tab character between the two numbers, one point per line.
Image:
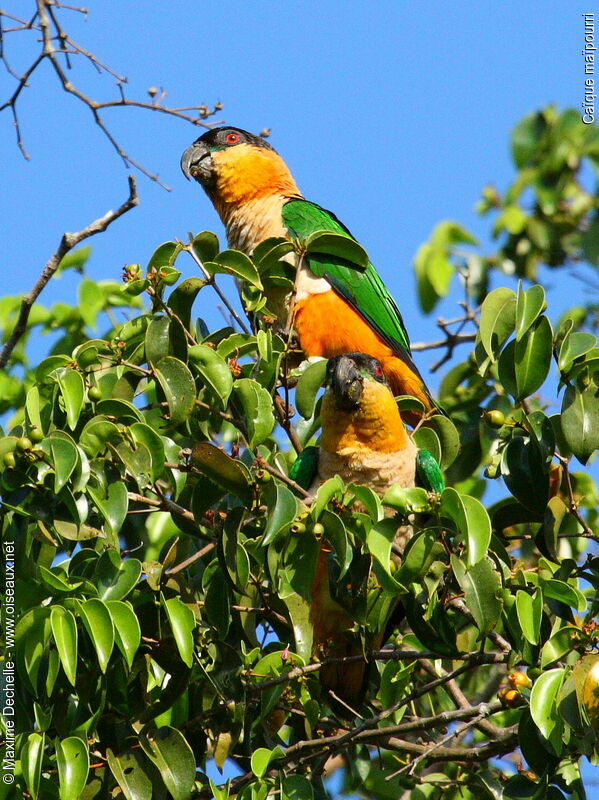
284	507
96	434
449	439
223	470
126	629
580	420
147	436
164	255
206	245
523	470
165	336
213	369
168	749
72	389
65	458
530	614
32	756
181	299
115	577
334	244
308	385
296	787
120	409
525	138
325	492
178	386
233	262
64	631
257	406
529	304
544	705
532	358
420	552
131	774
182	622
565	593
482	591
114	506
574	345
497	320
472	521
262	757
75	259
99	626
138	461
72	760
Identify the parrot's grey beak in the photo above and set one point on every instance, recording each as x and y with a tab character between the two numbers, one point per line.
196	162
346	382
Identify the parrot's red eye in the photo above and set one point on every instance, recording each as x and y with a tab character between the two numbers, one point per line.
378	371
232	138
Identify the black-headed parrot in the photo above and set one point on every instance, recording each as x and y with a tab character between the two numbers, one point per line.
340	304
364	441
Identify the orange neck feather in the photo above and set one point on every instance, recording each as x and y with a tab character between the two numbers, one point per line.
375	426
246	173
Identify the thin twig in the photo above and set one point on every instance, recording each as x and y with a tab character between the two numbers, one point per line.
211	280
68	241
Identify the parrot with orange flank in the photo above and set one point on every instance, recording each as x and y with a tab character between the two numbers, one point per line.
340	304
364	441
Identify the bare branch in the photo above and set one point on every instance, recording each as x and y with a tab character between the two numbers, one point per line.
56	42
68	241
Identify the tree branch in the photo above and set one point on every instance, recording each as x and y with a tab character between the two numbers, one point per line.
56	42
68	241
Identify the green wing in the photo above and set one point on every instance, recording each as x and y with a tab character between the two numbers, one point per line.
305	467
362	288
428	472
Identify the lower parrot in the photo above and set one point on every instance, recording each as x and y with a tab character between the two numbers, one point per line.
364	441
339	303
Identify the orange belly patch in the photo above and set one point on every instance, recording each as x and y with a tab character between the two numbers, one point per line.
328	326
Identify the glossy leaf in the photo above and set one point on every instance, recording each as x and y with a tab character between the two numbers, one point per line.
482	591
72	759
100	628
257	406
206	245
283	507
72	389
532	358
529	304
308	386
182	622
233	262
580	420
227	472
574	345
32	756
530	614
130	774
214	371
178	386
497	320
168	749
126	629
64	631
115	577
544	705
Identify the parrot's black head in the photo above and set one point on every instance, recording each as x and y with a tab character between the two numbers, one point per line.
198	160
346	375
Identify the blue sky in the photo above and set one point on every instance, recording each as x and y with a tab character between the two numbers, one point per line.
393	115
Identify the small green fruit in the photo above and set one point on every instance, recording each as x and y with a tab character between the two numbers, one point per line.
24	444
494	418
9	460
94	393
35	434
